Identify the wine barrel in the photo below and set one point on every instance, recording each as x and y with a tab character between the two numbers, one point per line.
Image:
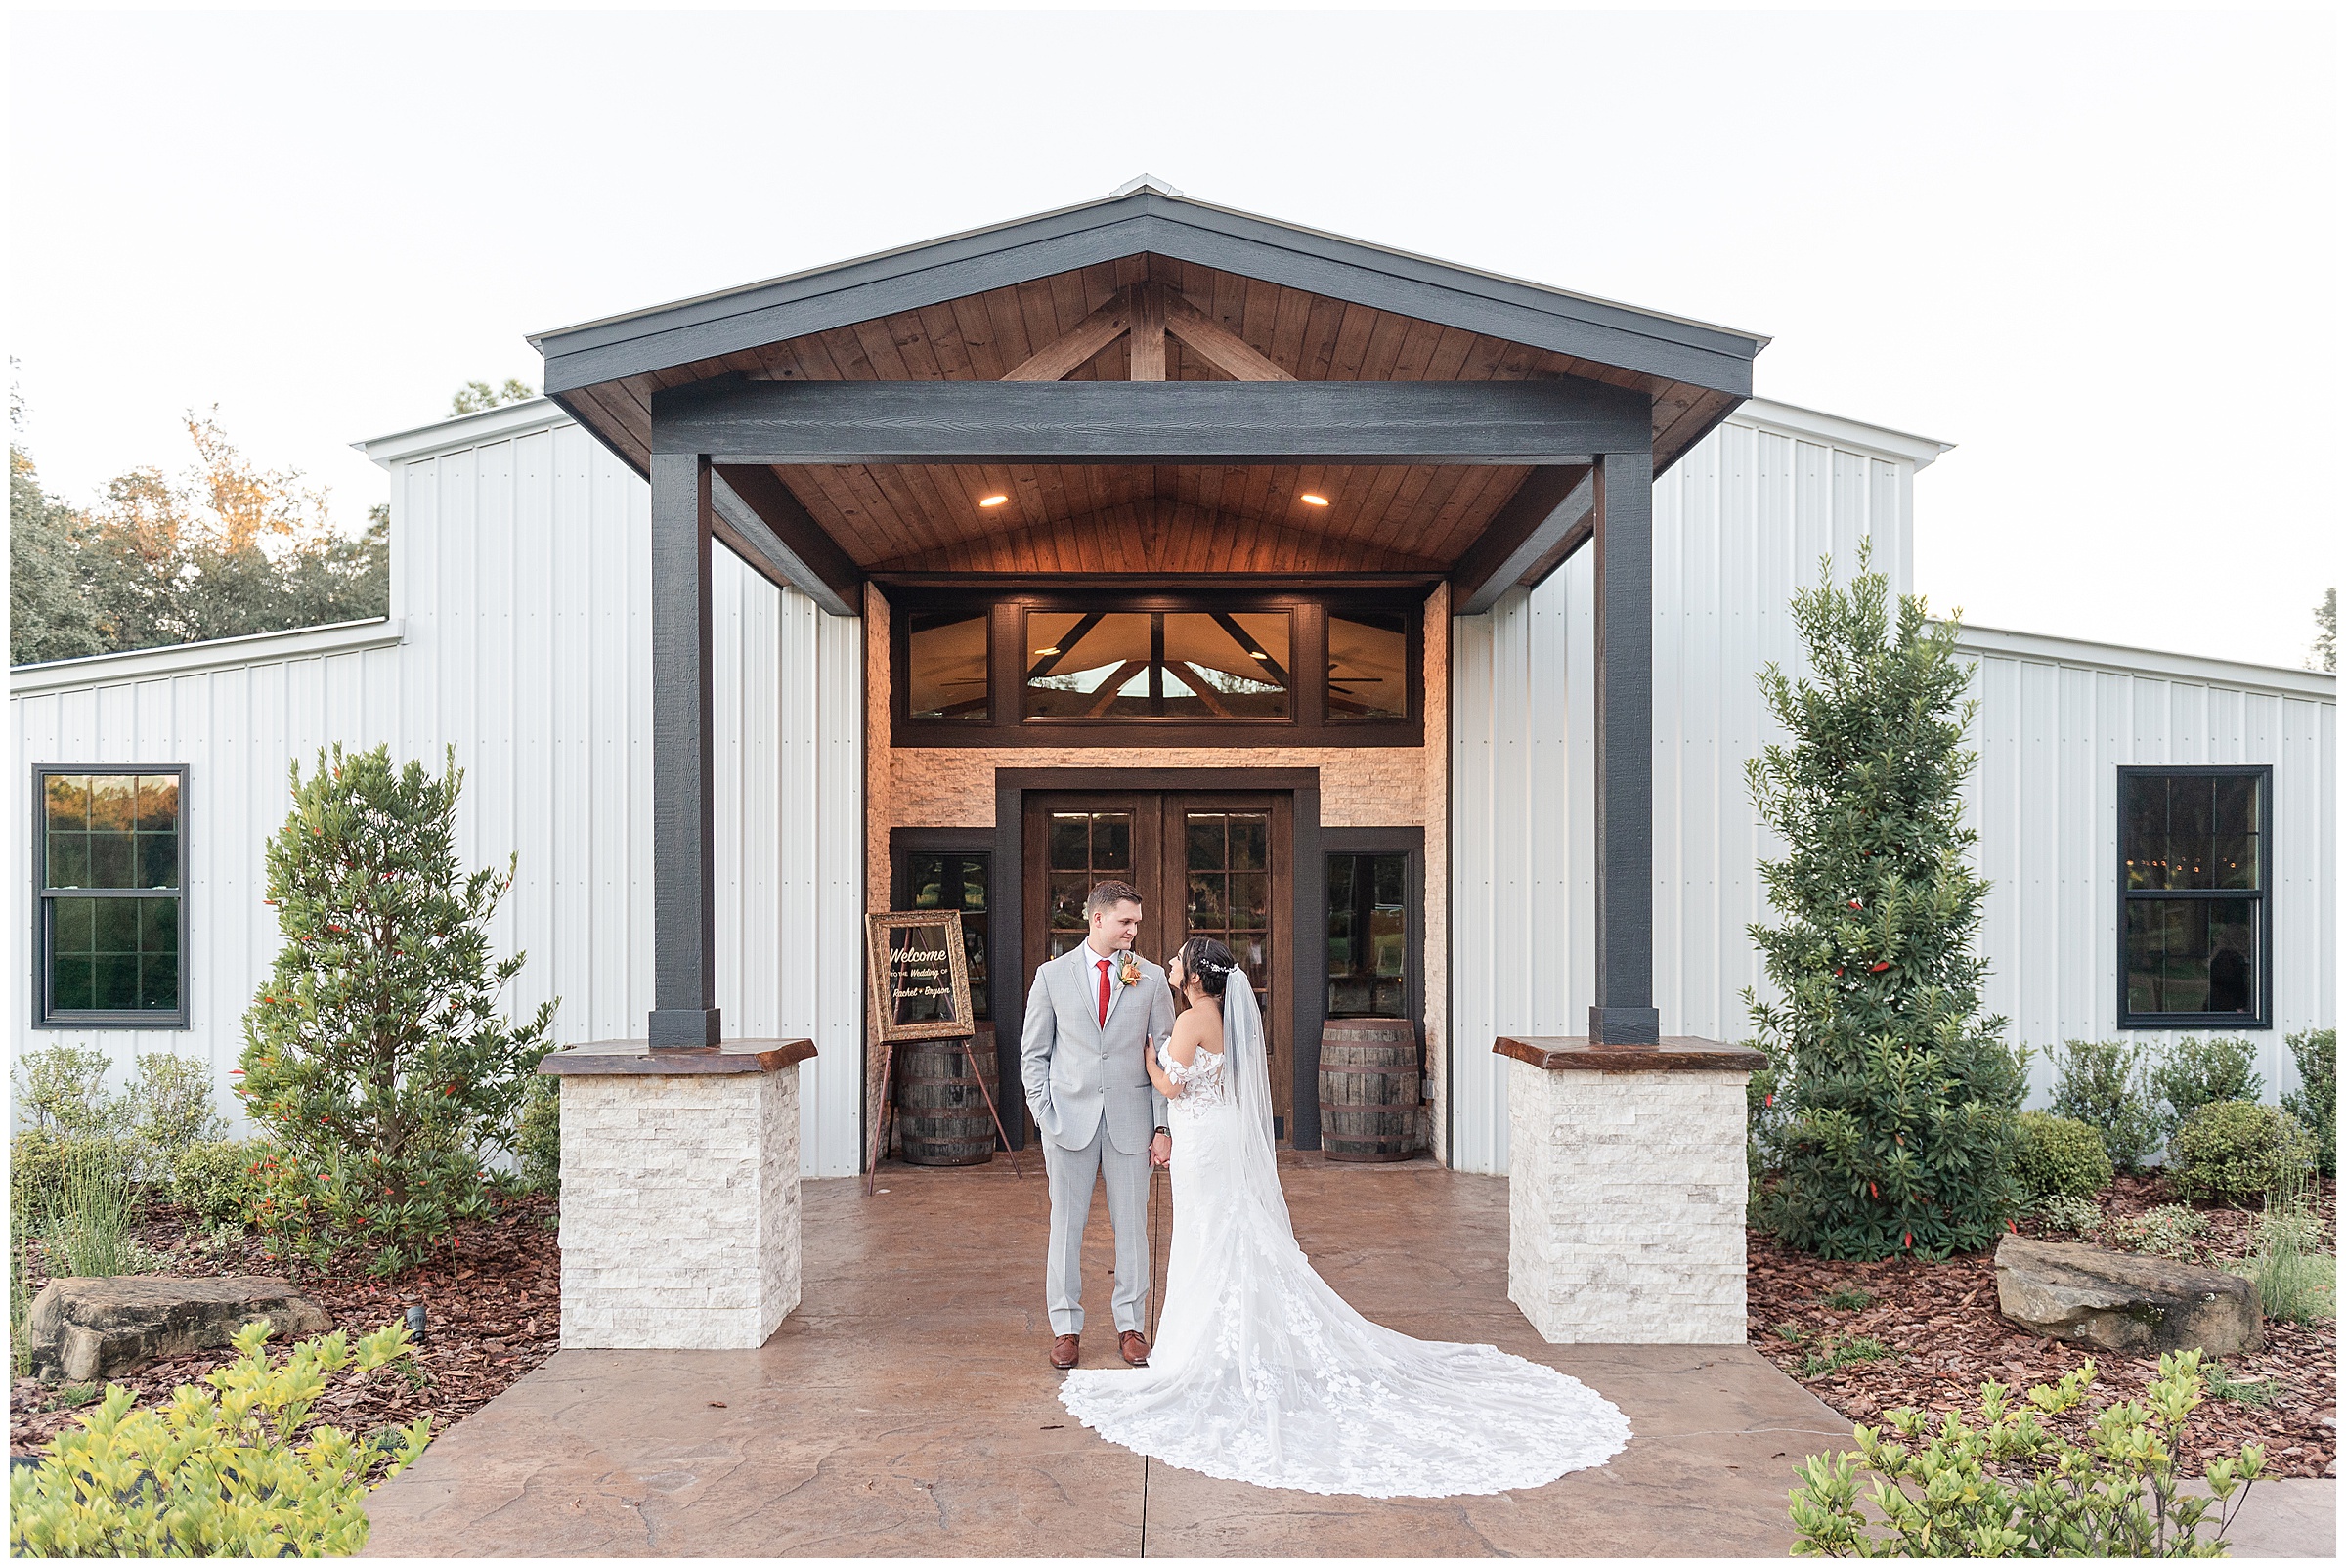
1369	1089
941	1118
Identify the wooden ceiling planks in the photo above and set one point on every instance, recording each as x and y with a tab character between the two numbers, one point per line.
1155	536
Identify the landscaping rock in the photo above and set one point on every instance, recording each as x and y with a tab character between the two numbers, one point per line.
2125	1301
83	1329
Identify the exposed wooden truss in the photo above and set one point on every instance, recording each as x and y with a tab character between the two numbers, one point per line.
1145	312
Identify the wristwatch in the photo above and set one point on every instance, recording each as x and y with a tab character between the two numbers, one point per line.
1164	1132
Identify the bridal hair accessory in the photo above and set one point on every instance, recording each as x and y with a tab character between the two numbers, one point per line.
1128	971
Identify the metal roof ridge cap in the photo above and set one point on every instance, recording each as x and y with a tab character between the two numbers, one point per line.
1774	411
188	658
2013	642
506	418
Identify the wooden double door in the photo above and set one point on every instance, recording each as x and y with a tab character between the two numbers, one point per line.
1207	864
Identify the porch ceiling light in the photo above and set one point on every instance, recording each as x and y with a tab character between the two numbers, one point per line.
1257	653
1310	500
991	501
1041	652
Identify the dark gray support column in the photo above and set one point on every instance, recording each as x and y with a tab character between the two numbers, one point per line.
1624	1012
684	1011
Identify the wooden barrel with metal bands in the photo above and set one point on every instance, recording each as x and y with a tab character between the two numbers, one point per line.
1369	1090
941	1117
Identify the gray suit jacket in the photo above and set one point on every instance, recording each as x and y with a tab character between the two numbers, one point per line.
1074	1074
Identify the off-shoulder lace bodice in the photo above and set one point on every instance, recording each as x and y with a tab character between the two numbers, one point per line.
1201	1082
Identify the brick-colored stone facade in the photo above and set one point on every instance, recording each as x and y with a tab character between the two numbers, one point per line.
1360	786
1625	1206
680	1209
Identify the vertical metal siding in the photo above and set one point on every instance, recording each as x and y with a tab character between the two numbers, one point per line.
521	575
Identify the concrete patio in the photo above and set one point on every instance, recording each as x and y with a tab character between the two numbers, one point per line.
905	1410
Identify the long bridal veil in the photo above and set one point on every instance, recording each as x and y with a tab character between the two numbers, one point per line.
1262	1372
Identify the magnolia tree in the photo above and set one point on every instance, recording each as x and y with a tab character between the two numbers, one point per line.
377	1055
1895	1122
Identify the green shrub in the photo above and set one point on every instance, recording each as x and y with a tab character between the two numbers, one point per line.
2013	1487
90	1228
216	1179
2233	1151
40	1164
2315	1099
1901	1088
2166	1230
2297	1281
2196	1070
220	1471
2056	1157
2104	1084
376	1056
2080	1216
541	1143
171	1110
65	1092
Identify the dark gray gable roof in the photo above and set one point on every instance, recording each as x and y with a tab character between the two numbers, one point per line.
1148	219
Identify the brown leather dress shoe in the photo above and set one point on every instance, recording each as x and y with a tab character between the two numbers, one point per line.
1133	1348
1064	1350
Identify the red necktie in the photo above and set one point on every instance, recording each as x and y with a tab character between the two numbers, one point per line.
1104	993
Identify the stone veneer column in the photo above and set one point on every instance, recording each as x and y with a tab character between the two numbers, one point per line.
680	1193
1625	1184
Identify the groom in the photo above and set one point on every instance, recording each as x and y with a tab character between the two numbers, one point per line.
1089	1022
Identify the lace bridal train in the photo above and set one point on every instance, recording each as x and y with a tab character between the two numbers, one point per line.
1262	1374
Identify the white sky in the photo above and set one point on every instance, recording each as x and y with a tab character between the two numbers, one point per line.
2099	252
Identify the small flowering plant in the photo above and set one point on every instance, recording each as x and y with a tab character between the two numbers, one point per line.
379	1056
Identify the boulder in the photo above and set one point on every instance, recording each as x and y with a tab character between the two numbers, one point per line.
83	1329
2125	1301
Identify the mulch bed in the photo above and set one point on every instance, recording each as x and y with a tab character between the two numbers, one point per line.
1941	1320
493	1310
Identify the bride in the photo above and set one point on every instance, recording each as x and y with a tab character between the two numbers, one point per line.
1263	1374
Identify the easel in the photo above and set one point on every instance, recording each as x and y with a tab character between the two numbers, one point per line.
951	924
884	1122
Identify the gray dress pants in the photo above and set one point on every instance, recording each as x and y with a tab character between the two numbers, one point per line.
1074	1173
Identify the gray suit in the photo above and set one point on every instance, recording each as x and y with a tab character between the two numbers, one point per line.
1092	1098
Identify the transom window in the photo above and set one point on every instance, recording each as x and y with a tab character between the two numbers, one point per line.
1075	668
111	873
2194	852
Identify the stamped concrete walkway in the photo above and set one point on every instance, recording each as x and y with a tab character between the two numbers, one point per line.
905	1410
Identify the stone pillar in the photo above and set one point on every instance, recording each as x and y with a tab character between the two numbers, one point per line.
680	1193
1625	1184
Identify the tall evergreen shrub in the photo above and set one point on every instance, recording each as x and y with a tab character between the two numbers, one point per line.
2104	1084
1900	1132
2315	1099
376	1054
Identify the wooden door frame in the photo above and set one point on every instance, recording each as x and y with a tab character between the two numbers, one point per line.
1309	997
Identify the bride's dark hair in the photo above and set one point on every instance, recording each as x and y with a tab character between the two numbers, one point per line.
1209	961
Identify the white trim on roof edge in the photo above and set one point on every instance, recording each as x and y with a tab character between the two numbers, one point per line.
187	658
2047	649
1790	419
464	430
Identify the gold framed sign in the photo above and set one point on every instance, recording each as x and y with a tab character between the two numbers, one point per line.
920	975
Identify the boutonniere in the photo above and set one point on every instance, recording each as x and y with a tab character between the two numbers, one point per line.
1128	971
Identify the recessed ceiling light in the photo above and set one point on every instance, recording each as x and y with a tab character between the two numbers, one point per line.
1310	500
1257	653
1039	652
991	501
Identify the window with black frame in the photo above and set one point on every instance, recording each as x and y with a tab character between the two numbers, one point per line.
2193	850
1367	935
957	879
111	871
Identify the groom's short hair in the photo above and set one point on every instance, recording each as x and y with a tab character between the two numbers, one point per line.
1109	894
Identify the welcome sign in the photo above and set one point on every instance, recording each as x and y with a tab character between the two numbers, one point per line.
920	975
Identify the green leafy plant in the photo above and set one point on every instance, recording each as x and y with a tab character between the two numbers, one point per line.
541	1142
2058	1156
2080	1216
1847	1298
376	1054
2166	1230
170	1109
2014	1486
1901	1093
91	1226
2221	1384
2296	1280
65	1093
1833	1356
2315	1099
2236	1150
223	1469
215	1180
2203	1070
2107	1085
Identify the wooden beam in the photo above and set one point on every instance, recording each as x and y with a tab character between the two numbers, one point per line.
738	421
1147	334
1073	348
684	1012
1545	509
1623	1012
1230	352
1111	688
759	520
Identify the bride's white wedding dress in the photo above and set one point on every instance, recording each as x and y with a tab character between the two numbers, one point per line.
1261	1372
